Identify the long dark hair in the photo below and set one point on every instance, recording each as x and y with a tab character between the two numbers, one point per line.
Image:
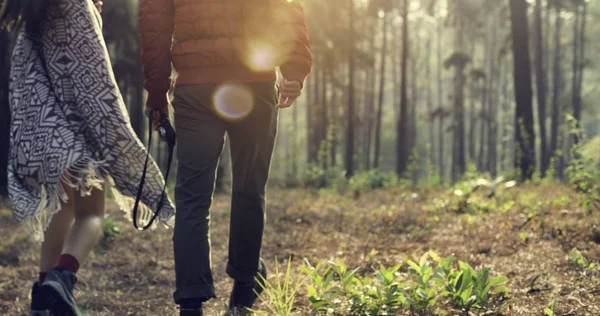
29	13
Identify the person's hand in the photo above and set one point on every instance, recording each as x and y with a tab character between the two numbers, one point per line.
156	113
289	91
98	4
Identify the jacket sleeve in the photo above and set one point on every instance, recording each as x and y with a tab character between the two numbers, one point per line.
156	23
298	59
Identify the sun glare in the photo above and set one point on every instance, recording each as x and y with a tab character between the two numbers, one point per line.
233	102
261	57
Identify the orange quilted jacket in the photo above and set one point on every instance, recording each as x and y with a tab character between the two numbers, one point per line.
221	41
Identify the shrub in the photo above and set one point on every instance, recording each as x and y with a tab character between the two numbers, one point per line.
333	288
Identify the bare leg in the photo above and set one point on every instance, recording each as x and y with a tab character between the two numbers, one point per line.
55	234
87	228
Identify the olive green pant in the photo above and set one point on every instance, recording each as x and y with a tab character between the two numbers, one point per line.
201	127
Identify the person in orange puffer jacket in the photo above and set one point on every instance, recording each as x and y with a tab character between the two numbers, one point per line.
225	55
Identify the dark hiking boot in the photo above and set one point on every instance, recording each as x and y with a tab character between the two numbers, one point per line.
244	295
57	291
38	305
190	311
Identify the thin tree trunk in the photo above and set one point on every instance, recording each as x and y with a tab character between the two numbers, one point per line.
580	69
403	137
5	56
324	116
371	87
492	143
414	55
429	92
541	85
381	94
294	144
310	158
505	159
491	112
525	133
334	125
440	95
575	69
556	82
482	121
349	159
472	119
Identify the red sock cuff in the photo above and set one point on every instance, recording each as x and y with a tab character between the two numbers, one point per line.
67	262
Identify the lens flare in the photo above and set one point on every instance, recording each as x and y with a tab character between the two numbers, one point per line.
233	102
261	57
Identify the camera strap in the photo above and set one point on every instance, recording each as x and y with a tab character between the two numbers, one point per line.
143	181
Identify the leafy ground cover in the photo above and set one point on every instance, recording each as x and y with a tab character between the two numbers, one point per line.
480	247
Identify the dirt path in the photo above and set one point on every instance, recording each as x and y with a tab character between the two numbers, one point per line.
132	274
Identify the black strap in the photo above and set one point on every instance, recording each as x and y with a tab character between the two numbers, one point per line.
143	181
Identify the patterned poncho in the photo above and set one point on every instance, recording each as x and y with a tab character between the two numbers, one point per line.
69	122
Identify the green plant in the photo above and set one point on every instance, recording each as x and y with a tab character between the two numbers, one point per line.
111	228
579	261
317	177
478	195
333	288
551	309
372	179
466	287
582	170
279	296
423	292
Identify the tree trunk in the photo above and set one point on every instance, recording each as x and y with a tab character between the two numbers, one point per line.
5	56
349	159
440	95
334	125
575	69
381	94
294	144
403	137
492	119
556	83
482	121
414	54
429	92
459	119
525	134
491	112
507	133
540	76
323	141
310	157
472	120
371	87
578	69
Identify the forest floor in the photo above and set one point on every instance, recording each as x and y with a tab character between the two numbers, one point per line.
132	273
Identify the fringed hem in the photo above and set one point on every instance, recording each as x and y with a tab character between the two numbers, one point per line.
145	212
84	176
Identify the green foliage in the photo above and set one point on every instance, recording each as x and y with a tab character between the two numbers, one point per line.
581	263
551	309
335	289
466	287
582	171
111	228
423	290
373	180
478	196
317	177
279	296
